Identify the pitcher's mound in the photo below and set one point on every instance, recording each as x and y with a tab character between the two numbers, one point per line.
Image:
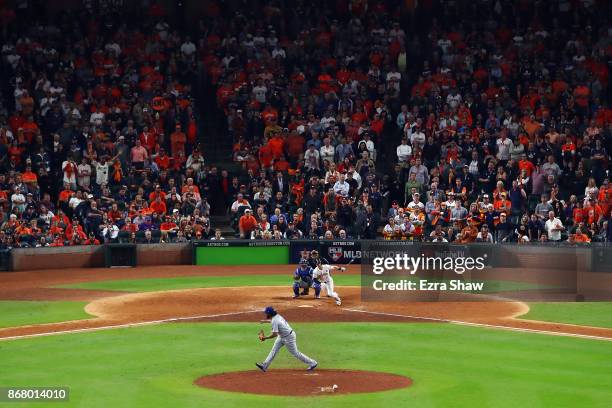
302	382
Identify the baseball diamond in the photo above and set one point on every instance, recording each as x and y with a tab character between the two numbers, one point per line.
306	203
122	302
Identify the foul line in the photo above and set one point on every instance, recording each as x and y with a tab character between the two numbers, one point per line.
125	325
485	325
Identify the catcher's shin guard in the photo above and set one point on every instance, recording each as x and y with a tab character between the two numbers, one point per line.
296	289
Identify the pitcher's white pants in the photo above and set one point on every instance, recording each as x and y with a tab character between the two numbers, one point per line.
291	344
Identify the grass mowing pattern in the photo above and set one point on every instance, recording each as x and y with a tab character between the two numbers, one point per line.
25	312
452	366
598	314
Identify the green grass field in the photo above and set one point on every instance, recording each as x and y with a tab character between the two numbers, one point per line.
598	314
451	366
22	312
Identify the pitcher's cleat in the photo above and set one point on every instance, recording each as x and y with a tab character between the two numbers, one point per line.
312	367
338	302
261	367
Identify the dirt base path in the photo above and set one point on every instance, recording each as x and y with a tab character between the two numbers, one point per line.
244	304
304	383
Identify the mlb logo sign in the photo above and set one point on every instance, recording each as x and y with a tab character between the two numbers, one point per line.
335	253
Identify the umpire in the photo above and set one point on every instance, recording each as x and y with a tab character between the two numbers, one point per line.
314	258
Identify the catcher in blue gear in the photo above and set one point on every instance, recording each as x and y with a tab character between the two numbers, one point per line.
302	279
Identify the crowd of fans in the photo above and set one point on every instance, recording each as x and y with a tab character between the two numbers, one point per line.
499	112
451	122
98	130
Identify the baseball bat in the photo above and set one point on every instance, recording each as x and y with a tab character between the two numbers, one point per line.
349	262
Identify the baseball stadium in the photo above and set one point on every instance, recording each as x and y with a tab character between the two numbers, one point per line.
289	203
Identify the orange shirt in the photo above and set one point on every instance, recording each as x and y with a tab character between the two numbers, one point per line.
185	189
29	177
499	204
581	238
158	207
115	215
23	230
568	147
247	223
527	165
65	195
531	126
29	130
167	226
266	156
277	145
163	162
269	115
153	195
177	142
281	165
578	215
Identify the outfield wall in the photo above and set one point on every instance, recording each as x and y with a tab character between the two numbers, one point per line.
587	270
93	256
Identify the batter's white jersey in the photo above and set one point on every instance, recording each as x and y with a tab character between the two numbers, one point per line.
323	274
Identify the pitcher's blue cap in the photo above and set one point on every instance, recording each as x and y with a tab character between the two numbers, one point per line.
269	310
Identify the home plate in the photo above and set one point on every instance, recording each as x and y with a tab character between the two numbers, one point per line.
305	306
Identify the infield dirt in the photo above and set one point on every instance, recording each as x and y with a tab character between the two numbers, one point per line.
243	304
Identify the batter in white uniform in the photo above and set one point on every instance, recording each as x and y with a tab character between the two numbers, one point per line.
322	275
285	336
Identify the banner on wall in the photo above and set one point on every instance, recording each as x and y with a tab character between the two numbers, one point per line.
336	252
301	249
341	252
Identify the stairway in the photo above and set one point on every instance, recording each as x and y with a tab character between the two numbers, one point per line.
223	222
213	135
